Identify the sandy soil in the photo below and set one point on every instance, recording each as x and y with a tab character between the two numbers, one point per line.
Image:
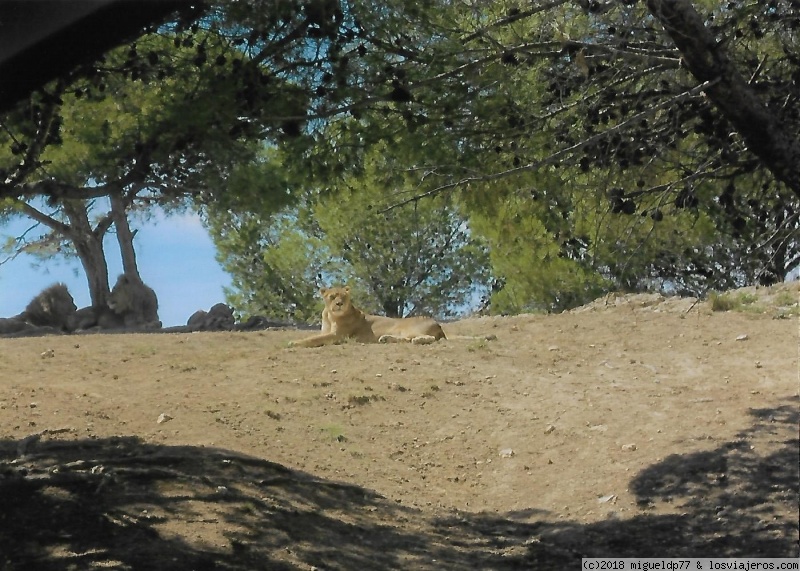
635	426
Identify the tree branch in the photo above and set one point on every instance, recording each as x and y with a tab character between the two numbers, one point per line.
761	128
43	218
557	156
511	18
629	54
54	189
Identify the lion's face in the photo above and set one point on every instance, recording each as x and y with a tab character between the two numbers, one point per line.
60	302
120	299
53	307
337	299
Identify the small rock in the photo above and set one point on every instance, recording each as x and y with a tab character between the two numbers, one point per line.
506	453
553	348
48	354
550	428
606	499
628	447
163	417
742	337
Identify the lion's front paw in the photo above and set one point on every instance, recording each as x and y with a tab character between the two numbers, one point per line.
423	340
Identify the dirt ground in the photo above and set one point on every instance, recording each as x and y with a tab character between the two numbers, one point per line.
635	426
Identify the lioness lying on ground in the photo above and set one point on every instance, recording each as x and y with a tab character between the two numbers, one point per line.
342	320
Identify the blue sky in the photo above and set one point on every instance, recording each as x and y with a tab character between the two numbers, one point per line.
175	256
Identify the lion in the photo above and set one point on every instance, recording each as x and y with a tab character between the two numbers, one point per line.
48	312
135	303
131	305
342	320
53	307
218	318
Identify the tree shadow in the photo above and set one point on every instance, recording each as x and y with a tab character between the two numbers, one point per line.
127	504
133	505
738	500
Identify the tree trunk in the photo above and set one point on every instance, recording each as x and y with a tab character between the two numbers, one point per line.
707	60
93	260
124	236
776	268
89	245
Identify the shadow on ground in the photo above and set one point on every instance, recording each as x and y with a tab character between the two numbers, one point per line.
126	504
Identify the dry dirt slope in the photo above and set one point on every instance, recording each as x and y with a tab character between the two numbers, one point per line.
627	428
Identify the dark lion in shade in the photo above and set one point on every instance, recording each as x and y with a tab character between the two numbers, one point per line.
135	303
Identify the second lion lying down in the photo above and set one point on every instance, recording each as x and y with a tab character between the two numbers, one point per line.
342	320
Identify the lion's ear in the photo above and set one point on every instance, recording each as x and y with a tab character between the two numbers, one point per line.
323	291
347	289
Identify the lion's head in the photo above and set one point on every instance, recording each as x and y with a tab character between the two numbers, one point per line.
53	307
337	300
122	299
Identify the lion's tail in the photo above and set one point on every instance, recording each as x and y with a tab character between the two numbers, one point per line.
489	337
